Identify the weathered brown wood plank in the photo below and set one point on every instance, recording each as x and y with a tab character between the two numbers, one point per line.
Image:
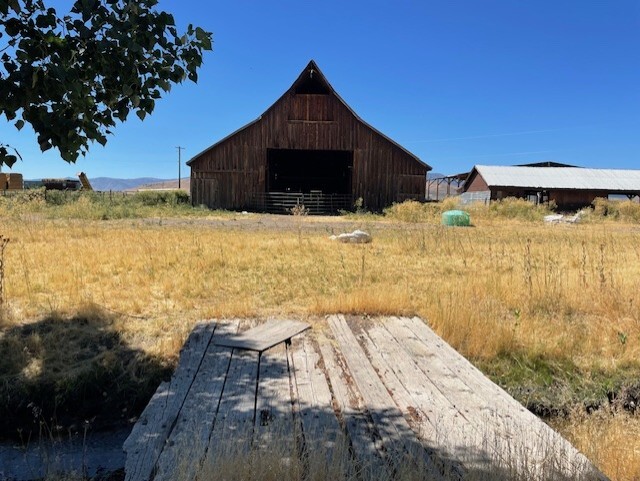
393	427
265	335
365	440
233	428
430	414
195	422
428	372
144	444
323	437
274	409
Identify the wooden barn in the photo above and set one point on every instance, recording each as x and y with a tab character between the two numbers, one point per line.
310	148
570	188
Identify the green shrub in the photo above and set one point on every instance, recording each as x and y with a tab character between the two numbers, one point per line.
61	197
15	204
163	197
116	205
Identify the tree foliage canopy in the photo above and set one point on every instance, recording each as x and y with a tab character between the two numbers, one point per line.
72	77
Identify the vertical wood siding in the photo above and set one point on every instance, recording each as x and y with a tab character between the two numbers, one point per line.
228	174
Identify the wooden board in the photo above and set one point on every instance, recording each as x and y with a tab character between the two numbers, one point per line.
431	416
274	405
265	335
232	433
324	442
485	423
195	422
356	421
397	436
145	443
516	437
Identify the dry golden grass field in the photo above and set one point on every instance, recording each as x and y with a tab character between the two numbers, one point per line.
96	310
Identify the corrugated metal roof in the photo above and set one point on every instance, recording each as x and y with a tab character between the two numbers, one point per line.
610	180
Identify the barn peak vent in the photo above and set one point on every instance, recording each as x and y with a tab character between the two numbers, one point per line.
311	82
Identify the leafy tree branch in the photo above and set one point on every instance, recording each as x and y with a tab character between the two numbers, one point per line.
72	77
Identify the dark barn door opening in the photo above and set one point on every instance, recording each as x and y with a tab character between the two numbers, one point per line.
306	171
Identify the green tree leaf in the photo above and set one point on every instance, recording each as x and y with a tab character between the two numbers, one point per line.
71	76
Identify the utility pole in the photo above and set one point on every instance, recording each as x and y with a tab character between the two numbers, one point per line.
180	149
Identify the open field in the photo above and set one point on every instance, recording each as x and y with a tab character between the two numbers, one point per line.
97	310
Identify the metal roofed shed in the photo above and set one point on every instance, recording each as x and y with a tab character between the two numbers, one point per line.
434	183
569	187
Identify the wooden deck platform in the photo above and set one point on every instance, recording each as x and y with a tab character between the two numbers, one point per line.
355	398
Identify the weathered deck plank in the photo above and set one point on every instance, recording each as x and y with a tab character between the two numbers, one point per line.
323	436
365	440
265	335
274	410
490	432
461	366
387	393
145	443
429	413
195	422
397	435
465	419
519	438
233	428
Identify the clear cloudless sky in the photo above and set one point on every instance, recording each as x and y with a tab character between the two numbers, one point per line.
457	83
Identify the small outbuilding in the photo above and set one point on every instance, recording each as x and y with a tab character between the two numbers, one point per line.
309	147
569	187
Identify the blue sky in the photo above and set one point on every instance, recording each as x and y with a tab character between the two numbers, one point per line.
457	83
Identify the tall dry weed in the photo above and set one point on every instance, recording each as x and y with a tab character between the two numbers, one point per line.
565	294
609	438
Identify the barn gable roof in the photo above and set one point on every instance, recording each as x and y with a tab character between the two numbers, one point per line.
567	178
312	80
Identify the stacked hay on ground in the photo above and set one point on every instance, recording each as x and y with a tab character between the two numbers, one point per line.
15	182
11	181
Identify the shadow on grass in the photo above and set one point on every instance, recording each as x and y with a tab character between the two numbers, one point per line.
62	375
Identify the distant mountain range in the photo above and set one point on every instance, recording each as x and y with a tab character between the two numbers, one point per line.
109	183
167	184
434	175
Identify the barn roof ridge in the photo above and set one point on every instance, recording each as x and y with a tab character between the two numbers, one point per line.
312	67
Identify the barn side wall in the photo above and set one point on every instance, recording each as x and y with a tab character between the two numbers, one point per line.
476	184
575	199
229	174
